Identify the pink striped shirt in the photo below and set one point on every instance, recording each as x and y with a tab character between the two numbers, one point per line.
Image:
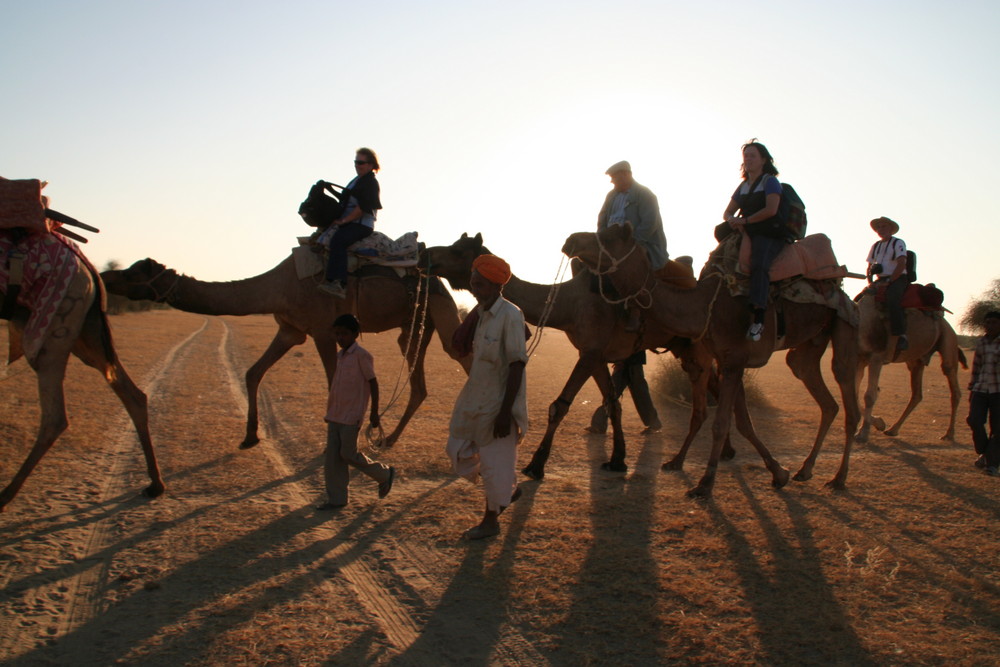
350	390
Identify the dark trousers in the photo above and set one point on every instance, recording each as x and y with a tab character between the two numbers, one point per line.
985	407
628	374
344	237
342	452
763	251
894	305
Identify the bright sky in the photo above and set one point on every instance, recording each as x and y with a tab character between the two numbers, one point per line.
189	131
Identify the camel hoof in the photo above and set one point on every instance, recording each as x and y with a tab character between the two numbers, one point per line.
533	473
836	484
673	465
861	438
611	466
154	490
780	478
700	491
893	432
878	423
949	436
728	453
249	442
803	476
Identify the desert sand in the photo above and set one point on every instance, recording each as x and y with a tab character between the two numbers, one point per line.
233	565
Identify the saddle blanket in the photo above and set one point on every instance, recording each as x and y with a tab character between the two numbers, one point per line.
50	262
921	297
377	248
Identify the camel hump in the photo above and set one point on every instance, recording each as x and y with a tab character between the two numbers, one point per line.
678	274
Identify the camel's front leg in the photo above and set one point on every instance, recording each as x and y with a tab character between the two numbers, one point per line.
728	388
845	363
283	341
586	366
871	396
804	361
956	398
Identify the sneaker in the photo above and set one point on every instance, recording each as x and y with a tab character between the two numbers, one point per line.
755	331
992	471
385	487
981	461
335	288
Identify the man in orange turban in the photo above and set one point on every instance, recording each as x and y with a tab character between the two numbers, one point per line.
491	412
492	268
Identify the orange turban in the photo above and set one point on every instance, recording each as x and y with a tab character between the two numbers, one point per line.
492	268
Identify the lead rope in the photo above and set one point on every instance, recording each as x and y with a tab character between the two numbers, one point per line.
415	336
550	302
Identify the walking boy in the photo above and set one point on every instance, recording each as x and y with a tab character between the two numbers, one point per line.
353	384
984	395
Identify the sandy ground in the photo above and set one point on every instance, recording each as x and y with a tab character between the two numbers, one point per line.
234	566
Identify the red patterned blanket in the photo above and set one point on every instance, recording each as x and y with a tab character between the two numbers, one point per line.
50	262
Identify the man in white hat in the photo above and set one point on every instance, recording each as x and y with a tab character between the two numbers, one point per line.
887	266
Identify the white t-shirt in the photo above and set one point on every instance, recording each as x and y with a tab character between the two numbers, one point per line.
887	253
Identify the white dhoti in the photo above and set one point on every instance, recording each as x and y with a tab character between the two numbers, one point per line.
495	462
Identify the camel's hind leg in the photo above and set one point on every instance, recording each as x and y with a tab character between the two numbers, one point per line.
845	365
286	338
916	367
805	364
96	349
50	366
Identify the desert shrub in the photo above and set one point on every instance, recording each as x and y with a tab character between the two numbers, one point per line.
972	319
668	381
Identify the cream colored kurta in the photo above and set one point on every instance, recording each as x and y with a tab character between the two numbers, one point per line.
498	342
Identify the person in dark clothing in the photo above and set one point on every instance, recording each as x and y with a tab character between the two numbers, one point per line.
629	374
757	199
357	221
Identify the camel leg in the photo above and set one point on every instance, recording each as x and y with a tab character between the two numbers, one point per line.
728	388
950	370
845	365
779	474
283	341
96	349
588	365
871	396
805	364
703	380
51	369
916	367
418	383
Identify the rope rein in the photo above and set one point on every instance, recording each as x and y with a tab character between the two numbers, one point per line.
550	301
644	290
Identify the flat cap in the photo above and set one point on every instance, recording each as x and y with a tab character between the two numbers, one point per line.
618	166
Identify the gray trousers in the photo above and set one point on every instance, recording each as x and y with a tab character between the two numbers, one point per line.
341	453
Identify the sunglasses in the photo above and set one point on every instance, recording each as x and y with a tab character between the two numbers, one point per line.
361	162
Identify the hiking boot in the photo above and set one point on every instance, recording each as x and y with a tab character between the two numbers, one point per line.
335	288
755	331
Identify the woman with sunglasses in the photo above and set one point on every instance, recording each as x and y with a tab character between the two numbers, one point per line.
357	221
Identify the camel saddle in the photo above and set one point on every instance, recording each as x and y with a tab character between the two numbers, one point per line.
921	297
811	257
376	249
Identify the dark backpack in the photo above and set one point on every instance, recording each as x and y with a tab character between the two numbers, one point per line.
911	266
319	209
792	212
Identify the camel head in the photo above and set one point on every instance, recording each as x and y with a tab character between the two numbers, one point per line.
147	279
454	262
594	249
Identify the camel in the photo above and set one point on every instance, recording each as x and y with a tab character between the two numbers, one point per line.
595	327
381	302
711	313
81	328
927	333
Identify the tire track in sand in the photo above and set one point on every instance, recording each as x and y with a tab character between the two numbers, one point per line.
369	577
74	591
